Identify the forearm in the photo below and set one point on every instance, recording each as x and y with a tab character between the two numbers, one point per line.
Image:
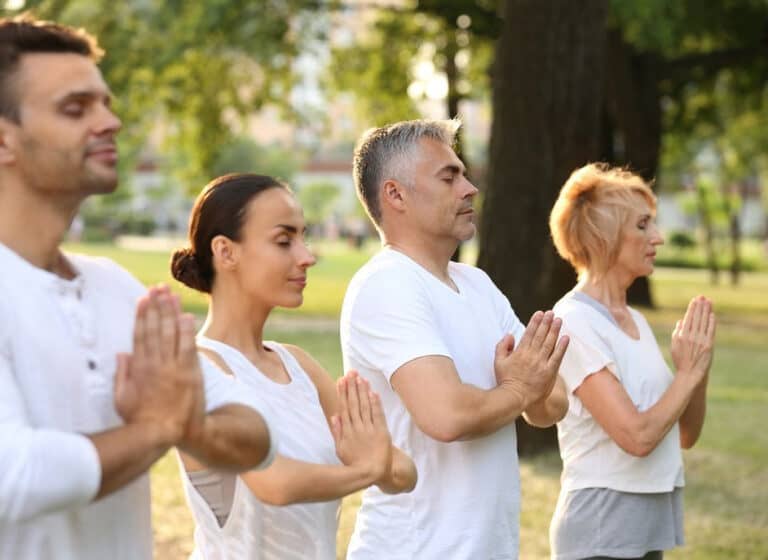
127	452
652	425
476	412
289	481
232	437
692	419
550	410
401	476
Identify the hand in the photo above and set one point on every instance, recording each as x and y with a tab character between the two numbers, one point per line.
160	383
531	368
360	430
693	338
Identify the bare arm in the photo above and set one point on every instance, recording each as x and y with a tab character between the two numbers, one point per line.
233	436
401	474
638	433
447	409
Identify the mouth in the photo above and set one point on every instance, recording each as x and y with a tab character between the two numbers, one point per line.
300	281
107	154
467	212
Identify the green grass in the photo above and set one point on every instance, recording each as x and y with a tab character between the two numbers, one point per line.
726	473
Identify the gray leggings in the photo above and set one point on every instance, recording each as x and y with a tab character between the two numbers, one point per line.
653	555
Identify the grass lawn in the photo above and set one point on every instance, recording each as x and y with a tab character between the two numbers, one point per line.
726	473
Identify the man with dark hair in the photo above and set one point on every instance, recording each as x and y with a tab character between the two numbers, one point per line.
89	398
440	343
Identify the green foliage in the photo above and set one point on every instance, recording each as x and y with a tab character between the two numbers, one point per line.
681	240
244	155
190	70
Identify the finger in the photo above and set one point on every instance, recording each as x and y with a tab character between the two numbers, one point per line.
354	401
122	372
341	390
363	394
711	326
552	336
530	330
677	329
556	358
187	347
706	311
152	328
169	328
697	318
139	324
688	317
537	342
377	411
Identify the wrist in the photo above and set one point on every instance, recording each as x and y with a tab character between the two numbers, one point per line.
517	393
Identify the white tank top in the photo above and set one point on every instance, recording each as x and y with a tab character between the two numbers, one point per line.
254	530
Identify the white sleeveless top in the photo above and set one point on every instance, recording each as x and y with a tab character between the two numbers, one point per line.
254	530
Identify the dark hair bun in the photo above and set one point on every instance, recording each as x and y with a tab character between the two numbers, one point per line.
185	269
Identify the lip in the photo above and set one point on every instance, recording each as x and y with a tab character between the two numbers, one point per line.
107	154
467	212
300	281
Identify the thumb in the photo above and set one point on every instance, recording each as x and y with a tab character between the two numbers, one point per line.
505	346
123	369
336	428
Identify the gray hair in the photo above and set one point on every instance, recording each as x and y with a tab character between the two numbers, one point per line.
388	153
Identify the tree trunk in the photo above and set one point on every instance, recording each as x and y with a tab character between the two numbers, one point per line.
633	104
547	98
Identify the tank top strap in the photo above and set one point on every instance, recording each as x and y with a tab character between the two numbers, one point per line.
291	364
234	360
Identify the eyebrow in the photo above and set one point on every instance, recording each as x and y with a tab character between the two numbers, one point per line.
86	94
454	169
288	228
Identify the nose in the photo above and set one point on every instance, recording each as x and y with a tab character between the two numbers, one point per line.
109	122
306	257
656	237
470	190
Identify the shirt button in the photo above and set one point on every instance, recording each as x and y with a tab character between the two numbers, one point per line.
91	364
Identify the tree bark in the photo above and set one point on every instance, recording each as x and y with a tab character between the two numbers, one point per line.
547	101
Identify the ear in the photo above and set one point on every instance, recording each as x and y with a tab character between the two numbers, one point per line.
393	195
8	141
225	252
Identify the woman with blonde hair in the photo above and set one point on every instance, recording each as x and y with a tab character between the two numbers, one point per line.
247	251
621	486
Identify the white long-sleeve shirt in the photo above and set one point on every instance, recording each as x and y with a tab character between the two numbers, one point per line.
58	345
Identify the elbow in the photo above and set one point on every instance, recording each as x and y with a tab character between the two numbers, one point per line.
275	496
445	432
688	440
637	442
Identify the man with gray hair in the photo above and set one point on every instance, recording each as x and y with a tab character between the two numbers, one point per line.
440	343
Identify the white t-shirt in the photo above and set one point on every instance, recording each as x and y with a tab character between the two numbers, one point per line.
467	500
591	459
254	530
58	344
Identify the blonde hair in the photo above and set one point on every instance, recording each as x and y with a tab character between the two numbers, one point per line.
593	207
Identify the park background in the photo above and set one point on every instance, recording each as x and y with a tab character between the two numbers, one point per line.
675	90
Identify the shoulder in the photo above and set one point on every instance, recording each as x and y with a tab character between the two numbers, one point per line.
107	273
387	279
306	362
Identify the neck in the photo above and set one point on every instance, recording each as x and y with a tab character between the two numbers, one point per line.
609	289
235	321
34	225
433	255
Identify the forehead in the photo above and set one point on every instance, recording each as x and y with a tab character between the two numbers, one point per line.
273	207
434	155
51	75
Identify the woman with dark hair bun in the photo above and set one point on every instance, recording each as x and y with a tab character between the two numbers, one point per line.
247	251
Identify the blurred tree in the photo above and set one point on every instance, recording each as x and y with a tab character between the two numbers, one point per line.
190	70
244	155
318	200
